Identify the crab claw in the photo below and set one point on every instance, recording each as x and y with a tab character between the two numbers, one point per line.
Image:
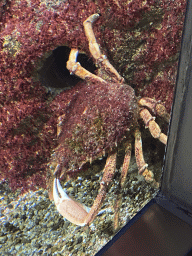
67	207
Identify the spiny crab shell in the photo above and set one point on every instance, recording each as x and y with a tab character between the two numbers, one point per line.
98	116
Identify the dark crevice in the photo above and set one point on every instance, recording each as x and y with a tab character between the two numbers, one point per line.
54	73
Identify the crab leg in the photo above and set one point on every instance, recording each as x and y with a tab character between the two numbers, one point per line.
142	166
126	163
94	48
75	68
155	107
78	213
108	173
122	183
154	128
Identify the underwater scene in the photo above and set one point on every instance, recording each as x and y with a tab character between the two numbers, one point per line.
86	91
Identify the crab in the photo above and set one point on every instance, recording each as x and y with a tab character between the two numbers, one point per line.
99	116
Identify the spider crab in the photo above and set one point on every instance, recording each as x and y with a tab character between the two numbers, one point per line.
99	116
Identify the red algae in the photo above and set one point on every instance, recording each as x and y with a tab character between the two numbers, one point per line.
144	51
152	30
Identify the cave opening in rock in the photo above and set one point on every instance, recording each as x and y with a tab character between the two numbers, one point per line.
54	75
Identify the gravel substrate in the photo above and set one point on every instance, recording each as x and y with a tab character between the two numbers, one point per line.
30	224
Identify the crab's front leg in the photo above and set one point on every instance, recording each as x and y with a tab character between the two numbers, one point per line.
76	212
101	59
75	68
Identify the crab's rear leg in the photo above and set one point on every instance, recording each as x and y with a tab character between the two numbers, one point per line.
124	172
156	107
76	212
142	166
101	59
154	128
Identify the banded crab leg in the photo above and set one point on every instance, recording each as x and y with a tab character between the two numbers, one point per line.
124	172
142	166
75	67
154	128
78	213
149	120
101	59
156	107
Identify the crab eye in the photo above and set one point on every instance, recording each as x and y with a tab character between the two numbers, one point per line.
53	73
